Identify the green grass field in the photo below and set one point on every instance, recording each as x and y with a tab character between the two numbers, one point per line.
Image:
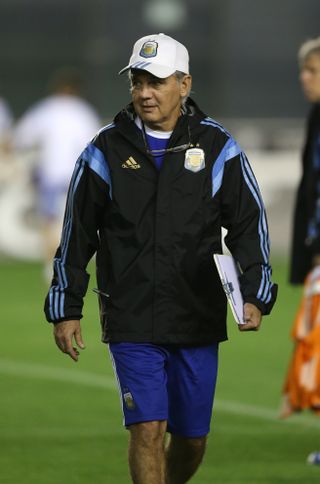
60	422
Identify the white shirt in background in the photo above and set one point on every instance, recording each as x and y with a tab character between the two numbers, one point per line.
59	126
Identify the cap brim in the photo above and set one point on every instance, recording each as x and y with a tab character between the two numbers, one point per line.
155	69
125	69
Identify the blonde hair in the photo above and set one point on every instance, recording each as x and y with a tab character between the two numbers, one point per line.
311	46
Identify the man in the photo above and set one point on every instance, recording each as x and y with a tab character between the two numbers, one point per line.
149	196
306	230
301	388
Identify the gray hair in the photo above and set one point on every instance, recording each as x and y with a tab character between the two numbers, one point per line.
179	76
311	46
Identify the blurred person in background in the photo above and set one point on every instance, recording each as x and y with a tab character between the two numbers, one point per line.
306	228
149	196
6	123
302	386
57	127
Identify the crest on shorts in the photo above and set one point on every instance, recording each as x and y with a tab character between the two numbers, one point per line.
149	49
194	159
128	399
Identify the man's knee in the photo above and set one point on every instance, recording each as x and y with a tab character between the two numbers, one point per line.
189	446
148	433
196	442
184	456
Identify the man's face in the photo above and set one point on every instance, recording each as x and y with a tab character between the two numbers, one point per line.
310	77
158	101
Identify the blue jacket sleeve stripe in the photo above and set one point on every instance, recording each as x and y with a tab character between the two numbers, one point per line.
233	149
218	169
264	289
267	292
211	122
67	225
57	291
105	128
253	187
249	171
229	151
265	286
264	292
97	162
270	294
50	305
57	295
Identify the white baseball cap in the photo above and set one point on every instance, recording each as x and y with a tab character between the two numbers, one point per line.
160	55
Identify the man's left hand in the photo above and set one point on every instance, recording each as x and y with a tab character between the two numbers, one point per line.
252	317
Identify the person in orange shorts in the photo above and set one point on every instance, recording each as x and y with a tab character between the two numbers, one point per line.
302	385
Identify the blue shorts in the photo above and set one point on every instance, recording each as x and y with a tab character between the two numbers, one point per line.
169	383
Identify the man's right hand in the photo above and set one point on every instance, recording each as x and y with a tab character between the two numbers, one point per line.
64	333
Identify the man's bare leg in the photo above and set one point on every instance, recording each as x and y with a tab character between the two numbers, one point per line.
147	452
183	456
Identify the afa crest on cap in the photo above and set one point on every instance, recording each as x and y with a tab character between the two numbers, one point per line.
149	49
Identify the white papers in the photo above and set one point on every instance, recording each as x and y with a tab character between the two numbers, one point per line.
229	274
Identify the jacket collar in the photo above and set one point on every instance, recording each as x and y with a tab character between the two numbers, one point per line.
190	115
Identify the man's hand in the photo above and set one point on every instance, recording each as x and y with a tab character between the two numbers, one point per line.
252	317
64	333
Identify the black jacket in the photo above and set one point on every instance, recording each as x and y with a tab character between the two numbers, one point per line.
306	223
154	234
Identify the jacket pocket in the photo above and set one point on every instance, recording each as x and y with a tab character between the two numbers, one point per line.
103	300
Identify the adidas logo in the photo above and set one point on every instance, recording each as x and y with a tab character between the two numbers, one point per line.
131	163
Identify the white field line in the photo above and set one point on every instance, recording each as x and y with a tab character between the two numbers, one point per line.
238	408
61	432
43	372
73	376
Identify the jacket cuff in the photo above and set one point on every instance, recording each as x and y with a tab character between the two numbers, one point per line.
264	308
68	318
